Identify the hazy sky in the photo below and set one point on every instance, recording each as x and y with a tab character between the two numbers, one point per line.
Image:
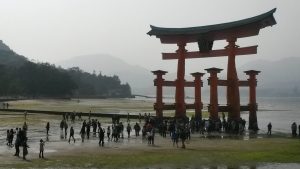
55	30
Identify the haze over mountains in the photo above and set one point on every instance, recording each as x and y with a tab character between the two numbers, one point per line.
278	78
138	77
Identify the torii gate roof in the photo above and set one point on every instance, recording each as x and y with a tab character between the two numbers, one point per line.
237	29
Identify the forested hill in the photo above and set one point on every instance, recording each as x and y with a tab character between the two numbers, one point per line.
20	77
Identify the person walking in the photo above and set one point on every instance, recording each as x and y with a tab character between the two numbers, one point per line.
101	137
294	129
269	129
47	128
88	129
82	133
108	133
66	129
71	134
18	142
174	136
61	126
137	129
128	130
25	149
25	115
42	145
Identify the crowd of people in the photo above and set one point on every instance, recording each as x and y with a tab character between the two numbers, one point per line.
178	130
20	141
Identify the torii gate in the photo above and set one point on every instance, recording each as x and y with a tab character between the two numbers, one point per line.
205	36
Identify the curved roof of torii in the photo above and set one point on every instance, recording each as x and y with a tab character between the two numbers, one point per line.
237	29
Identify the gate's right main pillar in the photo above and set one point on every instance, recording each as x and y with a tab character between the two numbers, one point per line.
180	107
233	93
213	82
198	102
252	99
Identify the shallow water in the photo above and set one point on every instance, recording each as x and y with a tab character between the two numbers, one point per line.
280	111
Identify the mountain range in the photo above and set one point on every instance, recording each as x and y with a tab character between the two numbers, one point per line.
20	77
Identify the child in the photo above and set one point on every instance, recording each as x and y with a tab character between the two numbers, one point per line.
42	145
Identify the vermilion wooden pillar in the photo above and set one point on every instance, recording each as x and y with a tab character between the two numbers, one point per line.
198	102
213	82
158	82
179	95
233	94
252	99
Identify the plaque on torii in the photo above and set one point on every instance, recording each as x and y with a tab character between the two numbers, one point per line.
205	37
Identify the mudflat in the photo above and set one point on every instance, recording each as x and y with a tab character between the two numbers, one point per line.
211	151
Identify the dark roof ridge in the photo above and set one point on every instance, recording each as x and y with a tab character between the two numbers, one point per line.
208	28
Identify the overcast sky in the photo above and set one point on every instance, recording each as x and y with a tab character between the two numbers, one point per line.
55	30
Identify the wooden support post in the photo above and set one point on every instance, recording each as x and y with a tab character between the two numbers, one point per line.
159	105
252	99
213	81
233	94
198	102
180	81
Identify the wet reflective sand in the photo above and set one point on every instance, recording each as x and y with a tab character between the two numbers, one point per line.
56	147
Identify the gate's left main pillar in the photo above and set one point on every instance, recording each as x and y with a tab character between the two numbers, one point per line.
158	82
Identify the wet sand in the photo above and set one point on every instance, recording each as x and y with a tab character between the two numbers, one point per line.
200	152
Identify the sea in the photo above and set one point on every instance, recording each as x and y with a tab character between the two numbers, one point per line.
280	111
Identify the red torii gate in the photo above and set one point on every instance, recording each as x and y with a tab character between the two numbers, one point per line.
205	36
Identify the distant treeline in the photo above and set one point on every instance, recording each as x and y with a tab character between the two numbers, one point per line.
20	77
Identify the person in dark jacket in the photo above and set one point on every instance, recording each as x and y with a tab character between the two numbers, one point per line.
101	137
71	134
269	129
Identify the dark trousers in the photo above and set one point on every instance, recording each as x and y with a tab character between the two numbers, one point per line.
101	141
41	155
72	137
17	150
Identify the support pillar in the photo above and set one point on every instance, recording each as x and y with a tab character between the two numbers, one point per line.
233	94
252	99
198	102
179	95
158	82
213	82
